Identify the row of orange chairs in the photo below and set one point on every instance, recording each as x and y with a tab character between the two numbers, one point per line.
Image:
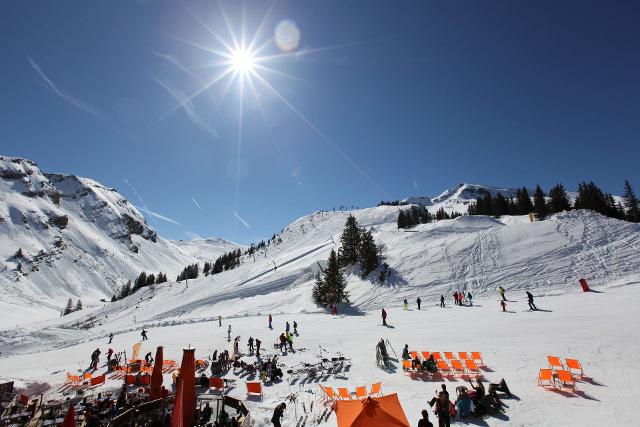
454	366
559	374
449	355
360	392
77	379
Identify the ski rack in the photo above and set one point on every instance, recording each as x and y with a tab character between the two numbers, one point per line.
386	341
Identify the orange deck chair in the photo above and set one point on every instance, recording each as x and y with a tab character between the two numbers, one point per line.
449	355
254	388
376	389
442	366
545	378
425	355
406	366
73	379
574	366
457	366
361	392
566	379
463	355
344	393
472	368
477	357
331	394
216	383
96	381
436	355
555	362
414	354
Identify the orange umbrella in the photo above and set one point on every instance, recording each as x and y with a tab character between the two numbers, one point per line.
156	376
185	404
70	418
384	411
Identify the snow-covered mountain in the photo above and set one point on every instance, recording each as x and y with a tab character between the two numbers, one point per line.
207	249
63	236
458	198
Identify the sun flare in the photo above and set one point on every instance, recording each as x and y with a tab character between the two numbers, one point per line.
242	61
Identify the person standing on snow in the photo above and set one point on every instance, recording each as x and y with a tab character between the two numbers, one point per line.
295	328
219	320
278	414
110	337
442	301
258	343
229	333
250	345
270	320
406	304
419	301
504	305
144	335
384	317
532	306
287	328
501	291
469	297
109	354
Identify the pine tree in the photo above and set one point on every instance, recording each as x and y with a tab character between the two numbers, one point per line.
591	197
631	203
369	259
18	253
114	298
500	206
330	288
402	221
69	308
78	306
559	201
539	203
524	202
350	240
126	290
151	279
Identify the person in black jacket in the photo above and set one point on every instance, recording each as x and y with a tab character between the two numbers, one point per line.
277	414
442	410
419	301
532	306
424	421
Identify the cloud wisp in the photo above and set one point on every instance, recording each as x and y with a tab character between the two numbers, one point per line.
67	97
157	215
196	203
188	107
239	218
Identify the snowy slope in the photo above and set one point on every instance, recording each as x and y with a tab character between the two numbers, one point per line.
208	249
458	198
78	239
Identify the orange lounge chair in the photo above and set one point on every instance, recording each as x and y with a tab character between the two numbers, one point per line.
414	354
472	368
449	355
574	365
331	394
216	383
457	366
73	379
425	355
463	355
545	378
376	389
436	355
566	379
477	357
442	366
555	362
344	393
254	388
406	366
96	381
361	392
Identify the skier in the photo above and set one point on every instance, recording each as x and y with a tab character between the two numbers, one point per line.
277	414
532	306
144	335
290	341
384	317
236	345
419	301
109	354
501	290
270	320
148	358
250	345
295	328
95	357
287	328
442	301
406	304
470	298
258	343
504	305
110	337
219	320
229	333
283	342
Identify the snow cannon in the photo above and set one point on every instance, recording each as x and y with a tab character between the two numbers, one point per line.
585	285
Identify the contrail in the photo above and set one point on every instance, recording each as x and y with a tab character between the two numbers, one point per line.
159	216
241	220
196	203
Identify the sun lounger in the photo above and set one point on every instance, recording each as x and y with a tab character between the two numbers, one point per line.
574	366
376	389
463	355
442	366
472	368
425	355
449	355
565	379
344	393
457	366
545	378
477	357
361	392
330	393
555	362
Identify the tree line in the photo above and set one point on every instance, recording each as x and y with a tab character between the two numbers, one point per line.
590	196
143	280
358	247
70	308
418	214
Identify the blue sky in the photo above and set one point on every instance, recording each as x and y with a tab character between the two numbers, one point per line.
376	100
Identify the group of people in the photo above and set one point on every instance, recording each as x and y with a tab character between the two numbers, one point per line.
428	365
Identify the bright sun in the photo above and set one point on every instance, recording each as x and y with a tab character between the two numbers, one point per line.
242	61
